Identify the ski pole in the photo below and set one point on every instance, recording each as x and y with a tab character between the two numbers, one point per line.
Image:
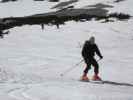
71	68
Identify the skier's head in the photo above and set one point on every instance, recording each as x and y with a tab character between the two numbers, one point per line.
92	40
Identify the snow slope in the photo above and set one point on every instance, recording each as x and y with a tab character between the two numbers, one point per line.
24	8
32	60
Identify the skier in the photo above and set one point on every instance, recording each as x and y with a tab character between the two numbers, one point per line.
88	53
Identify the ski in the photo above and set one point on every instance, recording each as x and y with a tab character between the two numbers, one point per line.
93	81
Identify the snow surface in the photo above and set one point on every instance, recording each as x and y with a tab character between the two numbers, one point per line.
31	59
24	8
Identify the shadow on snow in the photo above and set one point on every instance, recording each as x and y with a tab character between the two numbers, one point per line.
110	83
117	83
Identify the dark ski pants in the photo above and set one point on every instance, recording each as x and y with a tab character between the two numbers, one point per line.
92	62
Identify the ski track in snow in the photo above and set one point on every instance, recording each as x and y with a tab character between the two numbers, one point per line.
49	91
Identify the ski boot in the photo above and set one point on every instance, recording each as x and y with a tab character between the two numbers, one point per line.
84	78
96	78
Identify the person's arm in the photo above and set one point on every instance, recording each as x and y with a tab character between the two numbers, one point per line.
98	52
84	49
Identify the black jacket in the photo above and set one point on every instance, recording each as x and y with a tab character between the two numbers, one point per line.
89	50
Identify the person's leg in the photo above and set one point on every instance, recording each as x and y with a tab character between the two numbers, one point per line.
88	66
96	66
96	70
